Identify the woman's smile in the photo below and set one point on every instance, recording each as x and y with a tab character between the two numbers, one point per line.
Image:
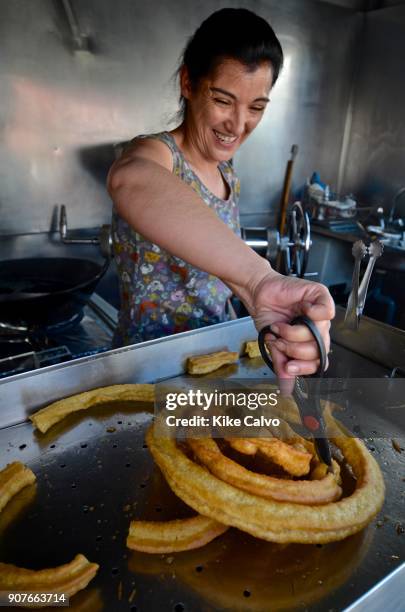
225	140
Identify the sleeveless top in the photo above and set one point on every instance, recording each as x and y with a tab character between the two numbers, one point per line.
162	294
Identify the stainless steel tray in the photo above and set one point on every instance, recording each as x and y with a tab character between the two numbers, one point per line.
94	474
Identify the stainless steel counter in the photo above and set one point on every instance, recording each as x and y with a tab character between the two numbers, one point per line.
325	231
94	473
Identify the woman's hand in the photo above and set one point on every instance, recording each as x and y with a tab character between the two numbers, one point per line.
275	301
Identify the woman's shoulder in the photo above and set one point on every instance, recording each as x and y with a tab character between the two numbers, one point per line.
158	137
154	147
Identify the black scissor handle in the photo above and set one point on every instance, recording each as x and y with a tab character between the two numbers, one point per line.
301	320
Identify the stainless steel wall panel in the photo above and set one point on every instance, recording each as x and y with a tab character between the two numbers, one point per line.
355	5
63	105
332	259
375	167
308	106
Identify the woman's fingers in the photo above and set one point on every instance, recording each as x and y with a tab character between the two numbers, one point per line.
295	358
298	367
323	309
280	361
305	351
300	334
287	368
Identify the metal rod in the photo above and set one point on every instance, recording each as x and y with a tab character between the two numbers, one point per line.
78	37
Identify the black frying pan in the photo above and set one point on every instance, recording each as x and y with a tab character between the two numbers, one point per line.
46	290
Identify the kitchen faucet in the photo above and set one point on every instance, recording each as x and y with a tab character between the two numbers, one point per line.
396	197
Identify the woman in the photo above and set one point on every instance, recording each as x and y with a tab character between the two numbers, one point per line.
175	221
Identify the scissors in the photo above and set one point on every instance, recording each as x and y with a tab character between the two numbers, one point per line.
307	399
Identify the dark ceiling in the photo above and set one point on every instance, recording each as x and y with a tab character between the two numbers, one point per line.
365	5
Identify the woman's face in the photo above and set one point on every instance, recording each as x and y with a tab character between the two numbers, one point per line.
226	107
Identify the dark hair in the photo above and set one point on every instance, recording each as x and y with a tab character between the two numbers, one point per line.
231	33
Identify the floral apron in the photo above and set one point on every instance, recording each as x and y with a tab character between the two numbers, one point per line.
162	294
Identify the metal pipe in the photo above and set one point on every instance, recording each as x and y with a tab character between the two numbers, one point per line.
64	231
79	39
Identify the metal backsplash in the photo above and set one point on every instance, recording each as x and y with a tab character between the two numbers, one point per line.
73	85
308	106
375	164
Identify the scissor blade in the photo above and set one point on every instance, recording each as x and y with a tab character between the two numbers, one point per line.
311	417
323	450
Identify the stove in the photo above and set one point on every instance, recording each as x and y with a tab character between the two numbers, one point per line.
87	333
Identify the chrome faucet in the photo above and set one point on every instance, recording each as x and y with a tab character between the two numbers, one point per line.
380	215
103	238
396	197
